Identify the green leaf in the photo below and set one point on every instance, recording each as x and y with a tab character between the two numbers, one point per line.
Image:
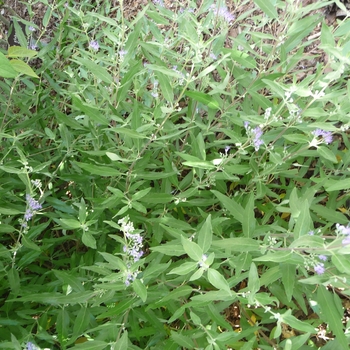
67	120
47	16
343	29
217	280
140	289
132	41
199	164
119	309
165	86
18	51
327	154
238	244
330	214
81	321
294	323
122	342
6	228
253	283
177	293
69	279
308	241
195	318
198	274
115	262
127	81
182	340
14	281
288	272
140	194
62	325
184	268
230	204
139	207
69	224
296	138
203	98
108	20
92	112
98	169
243	59
82	211
6	69
9	211
249	220
192	249
212	67
268	6
331	315
340	184
281	256
91	345
326	35
97	70
128	132
164	70
19	32
88	240
23	68
342	263
205	235
303	221
299	30
169	249
56	298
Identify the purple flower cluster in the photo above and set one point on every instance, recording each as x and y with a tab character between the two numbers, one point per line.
32	206
134	249
94	45
30	346
222	12
257	141
122	53
344	230
319	268
325	135
129	278
159	2
256	134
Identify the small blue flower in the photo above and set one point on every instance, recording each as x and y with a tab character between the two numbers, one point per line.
32	206
257	141
223	13
122	53
319	269
159	2
346	241
325	135
30	346
94	45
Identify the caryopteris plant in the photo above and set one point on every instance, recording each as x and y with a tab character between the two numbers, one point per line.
176	178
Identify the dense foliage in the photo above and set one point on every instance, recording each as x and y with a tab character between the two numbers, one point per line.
177	180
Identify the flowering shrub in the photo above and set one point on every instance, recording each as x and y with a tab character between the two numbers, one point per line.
173	182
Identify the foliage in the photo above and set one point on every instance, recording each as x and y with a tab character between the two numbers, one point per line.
160	177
